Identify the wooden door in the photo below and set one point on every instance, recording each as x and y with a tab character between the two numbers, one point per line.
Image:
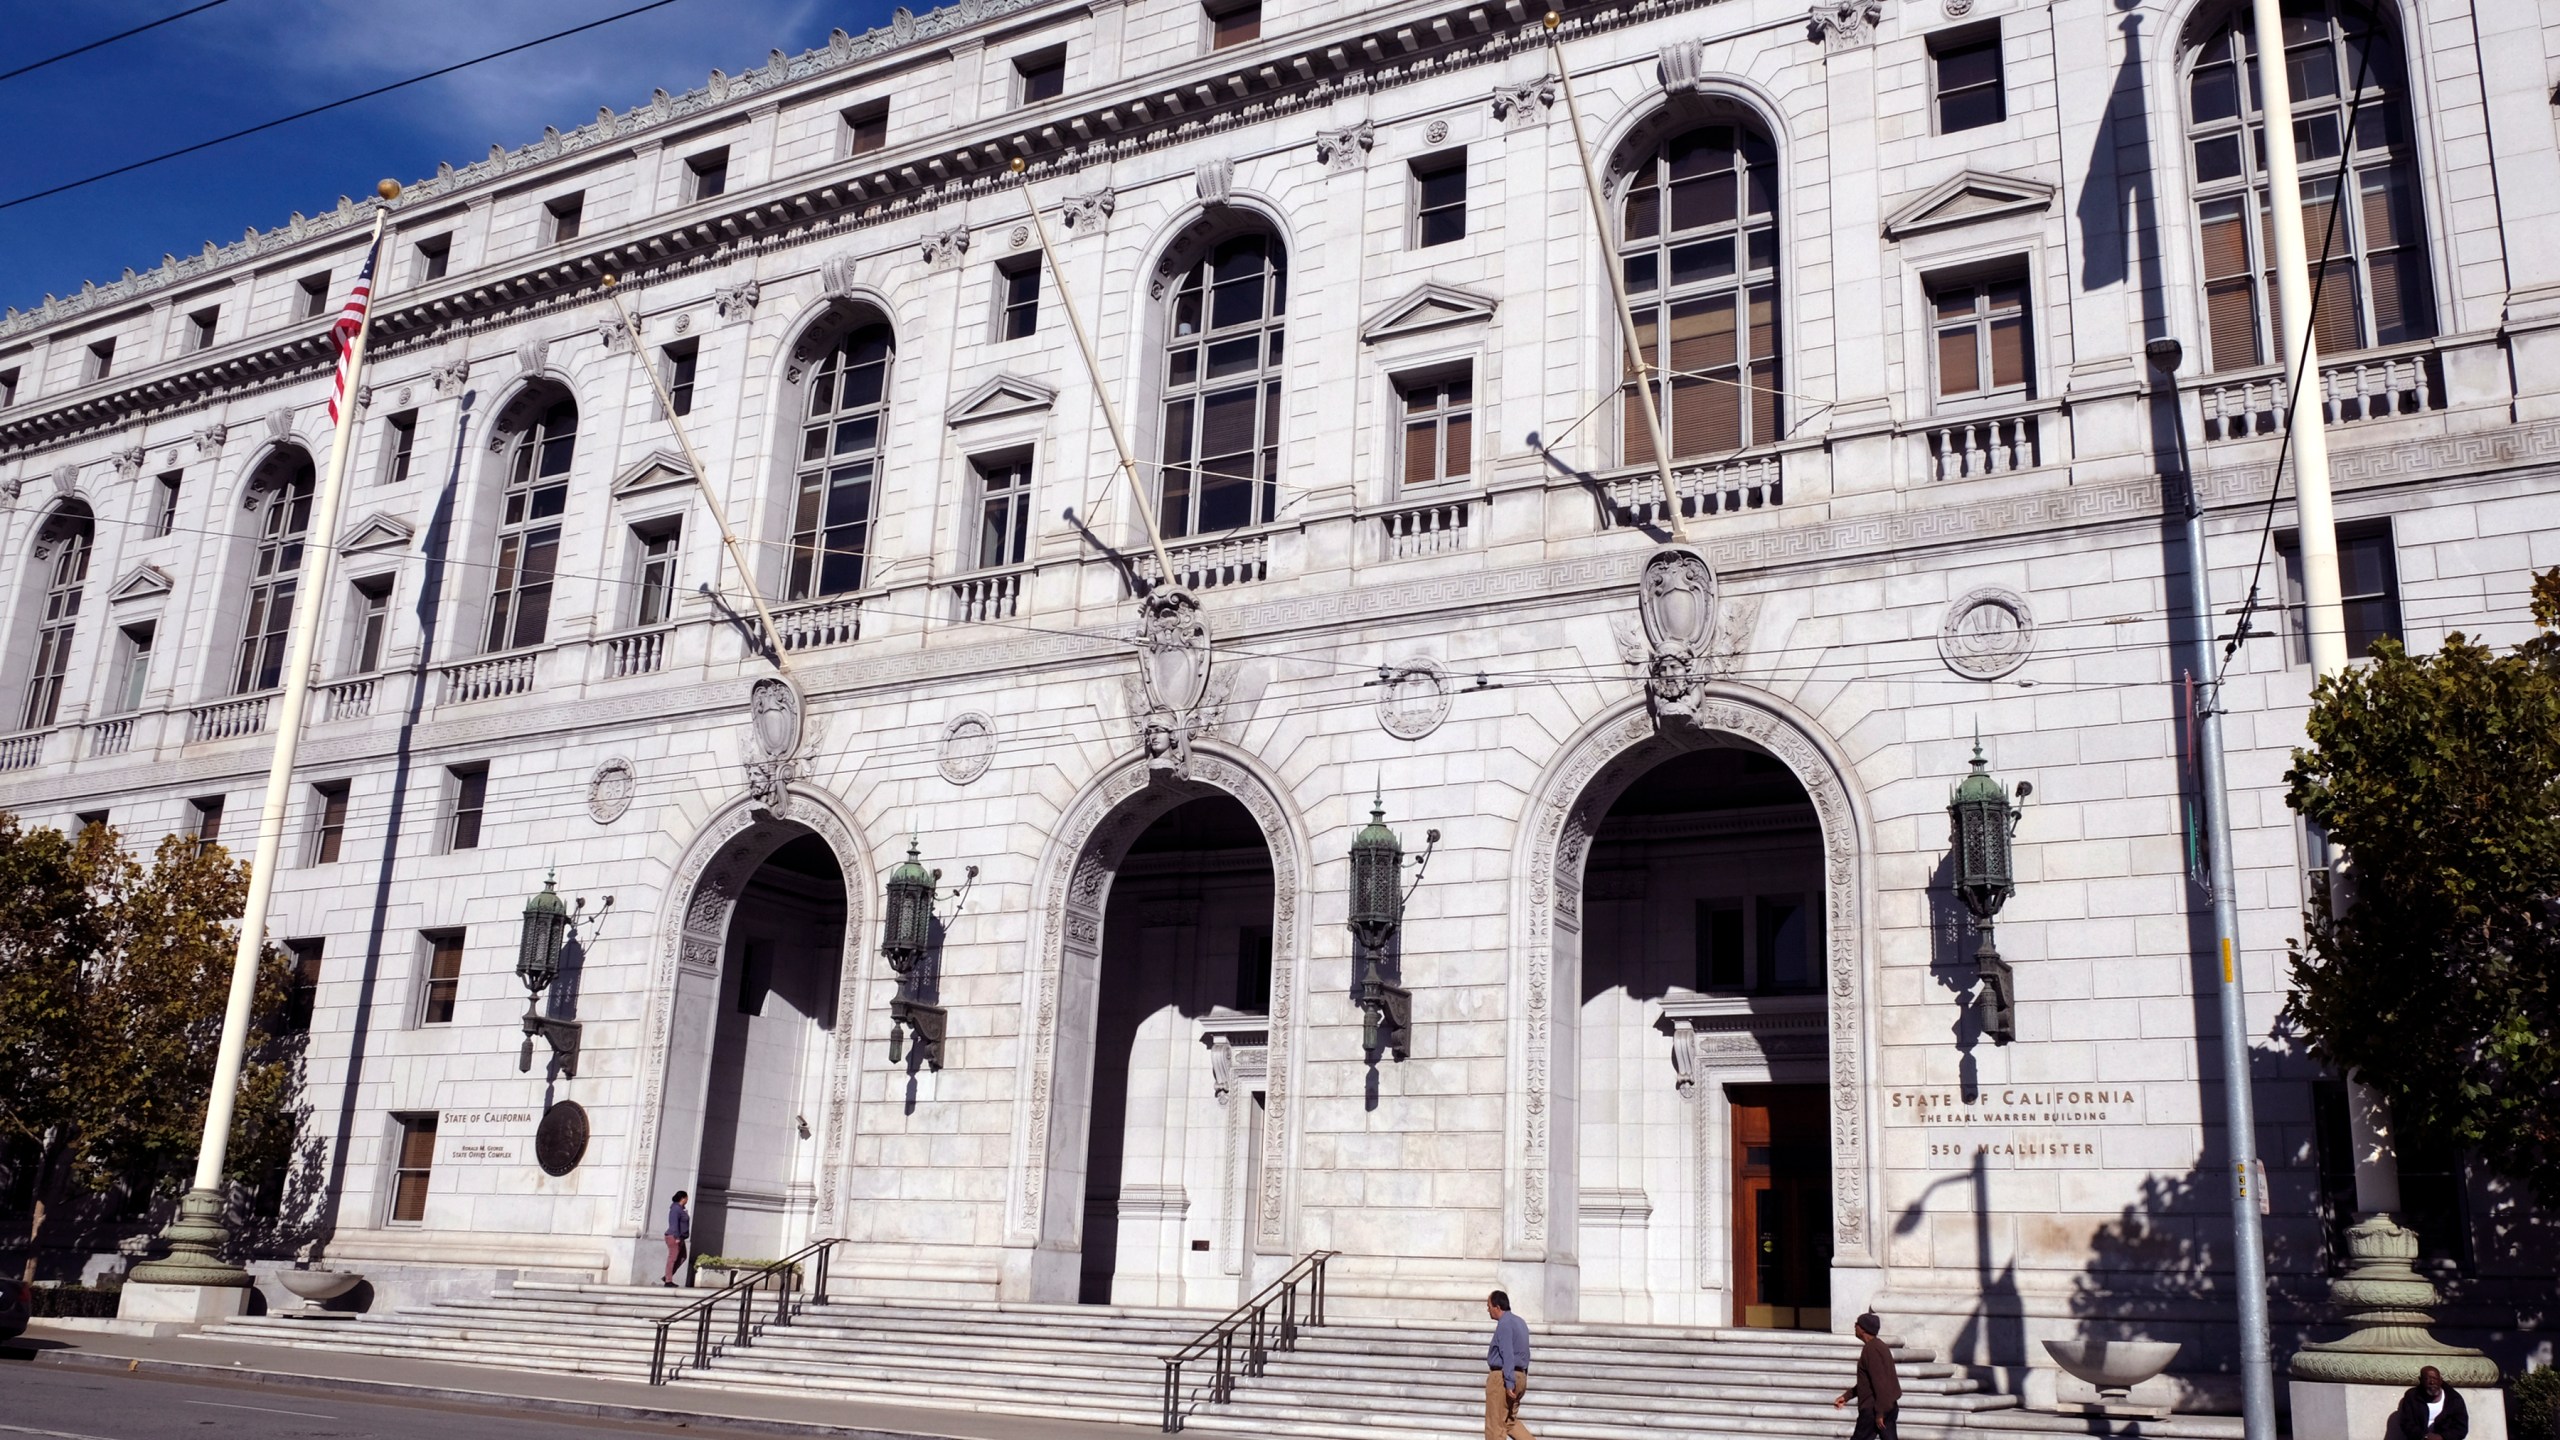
1781	1207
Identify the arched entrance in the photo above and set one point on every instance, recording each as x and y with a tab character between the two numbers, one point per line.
1155	1118
748	1055
1671	1257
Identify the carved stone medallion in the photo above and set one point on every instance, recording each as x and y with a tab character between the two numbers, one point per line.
560	1142
609	790
968	747
1414	697
1435	132
1988	633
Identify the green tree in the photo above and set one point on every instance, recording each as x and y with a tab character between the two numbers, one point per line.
113	981
2438	981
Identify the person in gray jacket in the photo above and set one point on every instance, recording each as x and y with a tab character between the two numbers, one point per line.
679	1230
1506	1371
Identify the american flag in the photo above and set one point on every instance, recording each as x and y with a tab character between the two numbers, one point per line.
350	324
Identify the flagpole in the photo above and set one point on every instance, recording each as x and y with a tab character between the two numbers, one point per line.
197	1235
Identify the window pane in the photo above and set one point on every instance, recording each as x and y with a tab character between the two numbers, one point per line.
1420	459
1966	109
1460	445
2213	93
1959	368
2009	352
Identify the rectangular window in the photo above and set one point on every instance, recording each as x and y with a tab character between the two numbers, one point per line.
102	358
2333	1149
313	301
2368	589
678	363
1787	943
1040	75
1234	23
164	503
562	216
470	791
8	388
2435	1196
1004	510
372	622
1253	970
1439	429
328	821
201	325
1017	298
654	600
1440	199
400	446
204	819
866	127
707	175
87	818
2230	289
133	668
1966	65
1720	957
302	990
434	257
1981	339
442	985
413	1158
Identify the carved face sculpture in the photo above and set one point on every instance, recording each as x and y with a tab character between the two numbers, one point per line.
774	717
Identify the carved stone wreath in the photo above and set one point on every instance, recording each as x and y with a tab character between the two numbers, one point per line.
1413	697
609	790
968	747
1987	633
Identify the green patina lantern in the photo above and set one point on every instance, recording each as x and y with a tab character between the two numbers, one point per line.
1377	913
909	930
1983	817
545	932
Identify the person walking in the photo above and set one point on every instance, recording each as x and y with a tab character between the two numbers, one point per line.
1878	1390
1506	1371
2433	1410
679	1230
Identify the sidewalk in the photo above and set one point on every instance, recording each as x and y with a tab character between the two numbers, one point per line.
575	1396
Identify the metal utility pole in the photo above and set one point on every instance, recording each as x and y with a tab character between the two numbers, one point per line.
2239	1108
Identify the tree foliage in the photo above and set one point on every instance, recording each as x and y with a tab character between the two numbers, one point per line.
2437	981
114	977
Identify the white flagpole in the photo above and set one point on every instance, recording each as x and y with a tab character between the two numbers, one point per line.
197	1235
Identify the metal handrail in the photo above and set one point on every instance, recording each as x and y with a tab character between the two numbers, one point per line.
743	1290
1220	1339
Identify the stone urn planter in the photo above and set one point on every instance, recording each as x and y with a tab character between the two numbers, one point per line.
316	1287
2114	1367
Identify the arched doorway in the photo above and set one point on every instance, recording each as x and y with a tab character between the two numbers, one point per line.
1704	1144
1154	1122
1683	1048
1186	975
748	1054
775	1009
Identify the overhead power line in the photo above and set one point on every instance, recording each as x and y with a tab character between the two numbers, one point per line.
109	39
338	104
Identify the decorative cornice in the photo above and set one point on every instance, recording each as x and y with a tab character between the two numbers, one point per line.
1001	396
1967	197
1428	307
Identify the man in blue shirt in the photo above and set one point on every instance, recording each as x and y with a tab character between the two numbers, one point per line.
1506	1371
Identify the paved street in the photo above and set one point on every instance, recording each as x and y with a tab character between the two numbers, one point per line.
93	1405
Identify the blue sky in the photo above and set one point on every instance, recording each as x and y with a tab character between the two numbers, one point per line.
252	60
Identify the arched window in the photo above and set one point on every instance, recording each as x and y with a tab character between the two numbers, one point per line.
2375	288
283	502
62	552
538	455
1698	238
1222	389
838	472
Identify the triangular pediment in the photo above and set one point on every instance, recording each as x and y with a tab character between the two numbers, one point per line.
1429	308
377	532
142	582
1001	396
659	470
1971	196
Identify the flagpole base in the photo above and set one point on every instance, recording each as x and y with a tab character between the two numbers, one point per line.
196	1238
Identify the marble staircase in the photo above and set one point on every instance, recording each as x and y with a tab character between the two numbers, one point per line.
1393	1381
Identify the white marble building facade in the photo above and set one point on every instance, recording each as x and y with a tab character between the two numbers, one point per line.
1691	1039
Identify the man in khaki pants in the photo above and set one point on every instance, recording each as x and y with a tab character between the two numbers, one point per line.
1506	1378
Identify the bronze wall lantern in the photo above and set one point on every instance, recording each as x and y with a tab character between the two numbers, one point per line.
1983	818
906	941
545	933
1378	893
